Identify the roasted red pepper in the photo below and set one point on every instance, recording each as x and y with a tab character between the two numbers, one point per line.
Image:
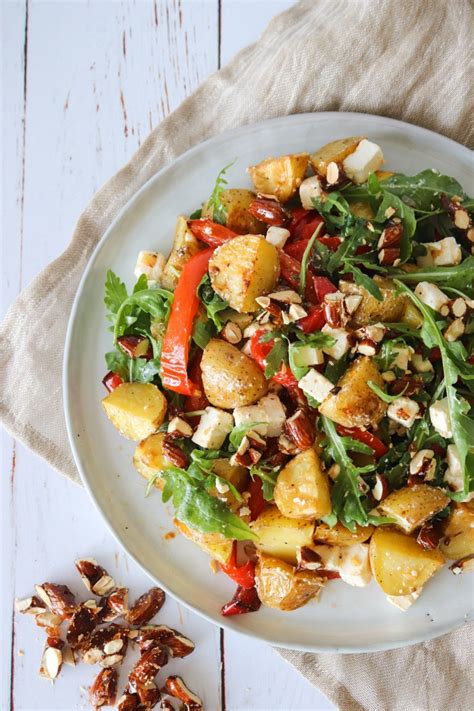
256	501
244	600
243	575
377	446
211	232
332	243
197	401
175	350
323	286
260	351
303	223
314	321
112	381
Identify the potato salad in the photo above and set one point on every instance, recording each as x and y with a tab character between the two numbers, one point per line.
298	374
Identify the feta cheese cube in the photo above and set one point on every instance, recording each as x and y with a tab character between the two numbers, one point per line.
444	253
342	344
274	413
309	189
252	413
213	428
440	419
453	475
151	264
404	411
431	295
402	357
316	385
366	159
420	364
403	602
308	355
277	236
351	562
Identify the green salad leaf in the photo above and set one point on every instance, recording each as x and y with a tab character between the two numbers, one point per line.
133	370
212	302
382	394
199	510
276	357
219	212
306	256
460	276
239	432
268	476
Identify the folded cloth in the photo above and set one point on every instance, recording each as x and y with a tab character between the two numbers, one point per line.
408	59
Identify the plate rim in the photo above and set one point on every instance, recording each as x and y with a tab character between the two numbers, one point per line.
67	364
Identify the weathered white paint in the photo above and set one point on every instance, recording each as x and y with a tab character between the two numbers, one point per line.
99	76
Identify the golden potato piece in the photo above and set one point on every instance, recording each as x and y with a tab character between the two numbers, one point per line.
236	475
136	409
412	316
391	309
410	507
458	541
236	202
185	246
335	152
400	566
149	458
215	544
279	585
281	536
362	209
302	488
230	378
244	268
355	404
340	535
280	176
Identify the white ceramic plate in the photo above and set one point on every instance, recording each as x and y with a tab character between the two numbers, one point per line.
346	619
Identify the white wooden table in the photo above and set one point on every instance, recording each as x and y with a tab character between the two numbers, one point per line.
83	83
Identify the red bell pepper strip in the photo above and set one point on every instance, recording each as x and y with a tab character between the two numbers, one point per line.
243	575
175	350
378	447
303	223
314	321
197	401
260	351
112	380
256	501
244	600
323	286
470	360
297	249
332	243
211	232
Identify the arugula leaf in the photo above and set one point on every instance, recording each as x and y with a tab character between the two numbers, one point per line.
316	340
212	302
364	280
115	295
154	301
276	357
453	367
151	483
306	255
268	477
355	234
203	331
382	394
239	432
196	215
459	276
202	468
133	370
219	212
199	510
336	369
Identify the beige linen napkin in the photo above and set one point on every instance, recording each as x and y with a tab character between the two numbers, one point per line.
408	59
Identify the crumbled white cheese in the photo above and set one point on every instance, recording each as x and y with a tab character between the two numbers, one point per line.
431	295
351	562
444	253
342	344
402	357
404	411
213	428
151	264
453	475
420	364
316	385
403	602
268	411
440	419
310	189
277	236
366	159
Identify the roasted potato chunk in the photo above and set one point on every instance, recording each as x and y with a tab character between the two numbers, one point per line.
185	246
280	176
302	488
149	458
355	404
411	506
235	475
363	209
230	378
391	309
236	203
135	409
458	541
340	535
215	544
244	268
281	536
280	585
335	152
400	566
